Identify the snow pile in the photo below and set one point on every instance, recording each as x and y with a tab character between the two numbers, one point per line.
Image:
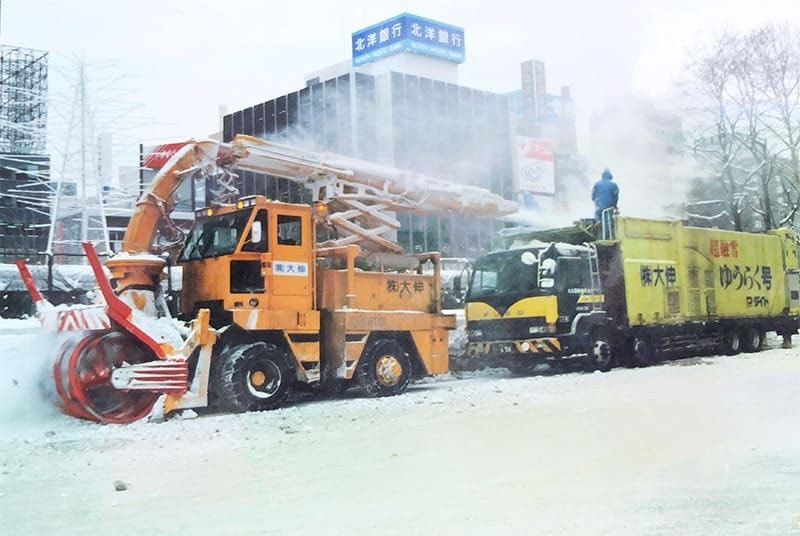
697	446
457	338
27	394
66	278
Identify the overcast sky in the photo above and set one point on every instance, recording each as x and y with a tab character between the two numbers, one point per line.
186	57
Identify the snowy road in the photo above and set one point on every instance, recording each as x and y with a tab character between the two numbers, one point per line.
704	446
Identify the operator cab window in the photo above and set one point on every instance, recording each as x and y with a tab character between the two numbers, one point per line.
289	230
215	236
259	246
573	273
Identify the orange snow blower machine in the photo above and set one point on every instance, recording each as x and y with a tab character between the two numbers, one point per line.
264	304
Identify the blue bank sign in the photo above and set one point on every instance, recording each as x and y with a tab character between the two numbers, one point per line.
408	33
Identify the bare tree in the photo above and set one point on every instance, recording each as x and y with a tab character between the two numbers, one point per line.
715	142
746	124
776	63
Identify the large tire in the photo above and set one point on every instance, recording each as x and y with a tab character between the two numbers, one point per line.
731	342
600	355
253	377
384	369
752	339
642	352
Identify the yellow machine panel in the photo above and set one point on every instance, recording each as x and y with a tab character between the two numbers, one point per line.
675	273
376	291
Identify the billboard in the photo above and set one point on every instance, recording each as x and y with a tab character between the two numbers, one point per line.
535	166
408	33
157	156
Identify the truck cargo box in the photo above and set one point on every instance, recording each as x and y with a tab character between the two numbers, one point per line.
674	273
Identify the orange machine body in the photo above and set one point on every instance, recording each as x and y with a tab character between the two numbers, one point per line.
274	282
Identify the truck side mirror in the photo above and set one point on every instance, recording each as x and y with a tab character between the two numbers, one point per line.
547	271
255	232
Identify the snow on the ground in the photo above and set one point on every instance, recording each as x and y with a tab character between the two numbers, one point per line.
699	446
457	338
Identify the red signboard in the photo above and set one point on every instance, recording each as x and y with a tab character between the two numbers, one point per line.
535	148
159	155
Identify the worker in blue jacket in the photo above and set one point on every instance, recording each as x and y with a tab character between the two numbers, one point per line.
605	194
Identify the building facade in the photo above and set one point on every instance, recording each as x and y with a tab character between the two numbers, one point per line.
24	166
410	122
24	205
545	121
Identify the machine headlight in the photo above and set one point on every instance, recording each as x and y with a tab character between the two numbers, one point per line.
537	329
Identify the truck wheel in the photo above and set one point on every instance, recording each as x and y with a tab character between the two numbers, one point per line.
253	377
601	355
215	402
384	369
731	342
642	352
752	339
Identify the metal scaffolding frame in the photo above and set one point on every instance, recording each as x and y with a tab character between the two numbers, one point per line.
23	100
25	190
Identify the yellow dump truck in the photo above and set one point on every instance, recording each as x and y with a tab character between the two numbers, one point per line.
650	289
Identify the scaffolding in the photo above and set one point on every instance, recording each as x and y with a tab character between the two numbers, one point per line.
23	100
25	191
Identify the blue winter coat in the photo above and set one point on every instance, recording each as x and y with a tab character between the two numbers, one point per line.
605	194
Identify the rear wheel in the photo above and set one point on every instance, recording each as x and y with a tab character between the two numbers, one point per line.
752	339
731	342
253	377
642	352
384	369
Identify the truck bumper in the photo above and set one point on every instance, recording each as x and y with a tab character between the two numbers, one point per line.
546	347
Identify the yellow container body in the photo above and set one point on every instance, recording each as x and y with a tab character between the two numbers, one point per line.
674	273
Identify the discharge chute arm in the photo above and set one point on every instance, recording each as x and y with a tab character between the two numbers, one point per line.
363	190
158	199
337	177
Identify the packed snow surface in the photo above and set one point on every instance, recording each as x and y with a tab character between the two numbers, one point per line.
698	446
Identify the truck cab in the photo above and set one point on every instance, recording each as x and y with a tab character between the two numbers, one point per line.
255	255
535	303
252	264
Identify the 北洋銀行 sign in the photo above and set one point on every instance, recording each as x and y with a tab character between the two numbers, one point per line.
408	33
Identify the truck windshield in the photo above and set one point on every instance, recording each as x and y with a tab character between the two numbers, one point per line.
215	236
502	273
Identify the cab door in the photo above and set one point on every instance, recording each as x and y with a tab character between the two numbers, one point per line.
292	258
247	267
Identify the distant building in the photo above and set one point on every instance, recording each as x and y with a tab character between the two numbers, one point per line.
24	205
547	159
398	102
420	119
24	166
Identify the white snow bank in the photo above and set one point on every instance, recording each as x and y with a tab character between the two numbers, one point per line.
27	395
457	338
